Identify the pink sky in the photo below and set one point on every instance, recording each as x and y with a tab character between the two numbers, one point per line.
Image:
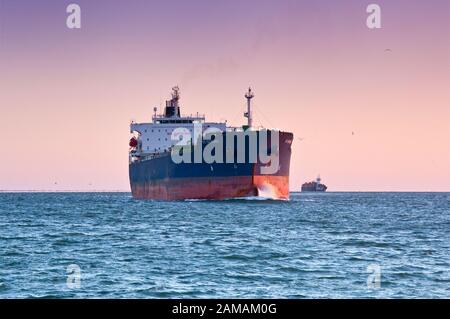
67	96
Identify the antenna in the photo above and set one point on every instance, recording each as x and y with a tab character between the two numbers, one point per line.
249	96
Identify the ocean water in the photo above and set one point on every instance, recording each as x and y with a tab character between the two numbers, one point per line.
332	245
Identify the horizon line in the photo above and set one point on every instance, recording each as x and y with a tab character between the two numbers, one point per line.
294	192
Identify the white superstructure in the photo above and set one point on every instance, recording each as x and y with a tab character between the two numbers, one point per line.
155	138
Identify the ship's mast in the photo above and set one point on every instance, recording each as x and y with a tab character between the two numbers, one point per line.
249	95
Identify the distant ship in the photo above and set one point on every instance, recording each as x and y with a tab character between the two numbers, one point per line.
315	186
155	175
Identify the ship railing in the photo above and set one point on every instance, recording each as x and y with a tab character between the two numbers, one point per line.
190	117
241	128
140	156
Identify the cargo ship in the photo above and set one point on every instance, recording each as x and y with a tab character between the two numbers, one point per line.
177	157
314	186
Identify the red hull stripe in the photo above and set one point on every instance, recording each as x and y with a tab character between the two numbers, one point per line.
213	188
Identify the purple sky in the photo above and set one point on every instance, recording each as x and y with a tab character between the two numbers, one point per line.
67	96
